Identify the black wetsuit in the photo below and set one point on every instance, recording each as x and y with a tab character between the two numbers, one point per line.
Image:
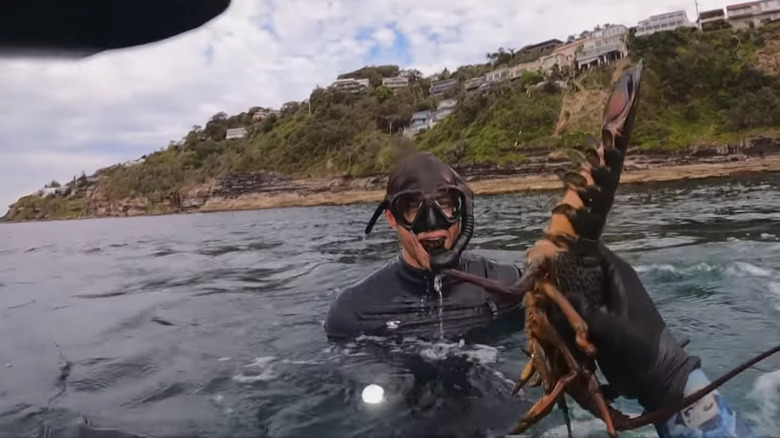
401	300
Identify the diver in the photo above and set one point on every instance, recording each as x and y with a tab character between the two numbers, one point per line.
431	208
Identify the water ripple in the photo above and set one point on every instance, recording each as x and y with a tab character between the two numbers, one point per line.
210	325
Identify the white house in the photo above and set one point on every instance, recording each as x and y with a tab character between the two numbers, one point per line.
755	14
445	108
440	87
395	82
46	191
351	85
497	75
605	46
663	22
474	83
235	133
421	121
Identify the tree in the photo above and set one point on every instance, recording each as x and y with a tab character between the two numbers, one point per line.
413	75
383	93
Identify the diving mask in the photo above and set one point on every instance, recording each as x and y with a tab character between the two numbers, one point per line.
419	212
425	194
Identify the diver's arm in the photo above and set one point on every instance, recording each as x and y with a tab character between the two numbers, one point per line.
708	417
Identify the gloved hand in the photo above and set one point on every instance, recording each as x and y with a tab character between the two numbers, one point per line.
635	350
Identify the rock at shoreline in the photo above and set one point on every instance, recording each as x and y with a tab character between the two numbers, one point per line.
266	189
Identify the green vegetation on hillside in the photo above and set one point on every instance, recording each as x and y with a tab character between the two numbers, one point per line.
704	87
697	88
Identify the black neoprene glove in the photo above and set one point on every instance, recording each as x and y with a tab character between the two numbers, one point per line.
635	351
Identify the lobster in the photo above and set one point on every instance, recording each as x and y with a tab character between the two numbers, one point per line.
557	364
558	267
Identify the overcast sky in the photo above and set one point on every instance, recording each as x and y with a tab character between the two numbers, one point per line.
59	117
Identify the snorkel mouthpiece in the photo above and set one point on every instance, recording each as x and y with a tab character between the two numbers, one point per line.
436	198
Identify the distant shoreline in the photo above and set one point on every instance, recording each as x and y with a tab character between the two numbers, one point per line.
485	186
499	186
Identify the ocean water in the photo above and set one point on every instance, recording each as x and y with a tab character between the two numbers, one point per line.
210	325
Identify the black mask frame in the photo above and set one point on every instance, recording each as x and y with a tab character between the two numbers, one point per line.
430	217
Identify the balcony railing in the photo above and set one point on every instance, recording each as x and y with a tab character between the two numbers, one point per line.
601	50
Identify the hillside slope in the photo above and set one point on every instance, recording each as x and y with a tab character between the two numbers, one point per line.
698	89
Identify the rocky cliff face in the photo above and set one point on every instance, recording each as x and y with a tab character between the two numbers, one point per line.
541	161
216	194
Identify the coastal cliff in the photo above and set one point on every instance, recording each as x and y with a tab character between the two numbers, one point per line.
256	190
708	99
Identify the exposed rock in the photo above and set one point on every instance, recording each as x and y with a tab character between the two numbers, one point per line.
265	189
192	198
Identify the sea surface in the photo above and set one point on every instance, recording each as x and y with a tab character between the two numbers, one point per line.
210	325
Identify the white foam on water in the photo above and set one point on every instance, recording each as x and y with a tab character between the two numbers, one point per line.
266	371
265	376
261	362
768	236
434	351
648	268
744	268
774	290
504	378
766	395
266	366
700	267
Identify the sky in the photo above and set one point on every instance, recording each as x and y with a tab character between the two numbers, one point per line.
59	117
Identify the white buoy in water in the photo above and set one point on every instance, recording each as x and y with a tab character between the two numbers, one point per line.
373	394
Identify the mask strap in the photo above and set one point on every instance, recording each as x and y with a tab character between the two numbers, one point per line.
378	212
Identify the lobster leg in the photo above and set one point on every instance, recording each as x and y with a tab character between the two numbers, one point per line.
595	391
576	321
528	372
543	407
565	409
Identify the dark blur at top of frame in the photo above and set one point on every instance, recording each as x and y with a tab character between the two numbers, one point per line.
81	28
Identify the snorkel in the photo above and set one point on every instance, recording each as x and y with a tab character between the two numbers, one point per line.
428	185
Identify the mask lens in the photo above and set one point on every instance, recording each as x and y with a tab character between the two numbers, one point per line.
408	205
447	201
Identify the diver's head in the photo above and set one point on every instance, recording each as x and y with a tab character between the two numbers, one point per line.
429	205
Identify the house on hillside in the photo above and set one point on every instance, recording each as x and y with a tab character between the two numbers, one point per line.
713	19
46	191
533	52
395	82
264	113
439	87
497	75
421	121
474	84
132	163
753	14
562	56
605	46
445	108
235	133
351	85
663	22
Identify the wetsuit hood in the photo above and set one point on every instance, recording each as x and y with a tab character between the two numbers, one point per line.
439	197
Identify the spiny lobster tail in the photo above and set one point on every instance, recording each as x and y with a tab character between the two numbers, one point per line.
620	111
618	123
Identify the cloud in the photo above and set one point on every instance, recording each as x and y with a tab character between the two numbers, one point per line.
60	117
